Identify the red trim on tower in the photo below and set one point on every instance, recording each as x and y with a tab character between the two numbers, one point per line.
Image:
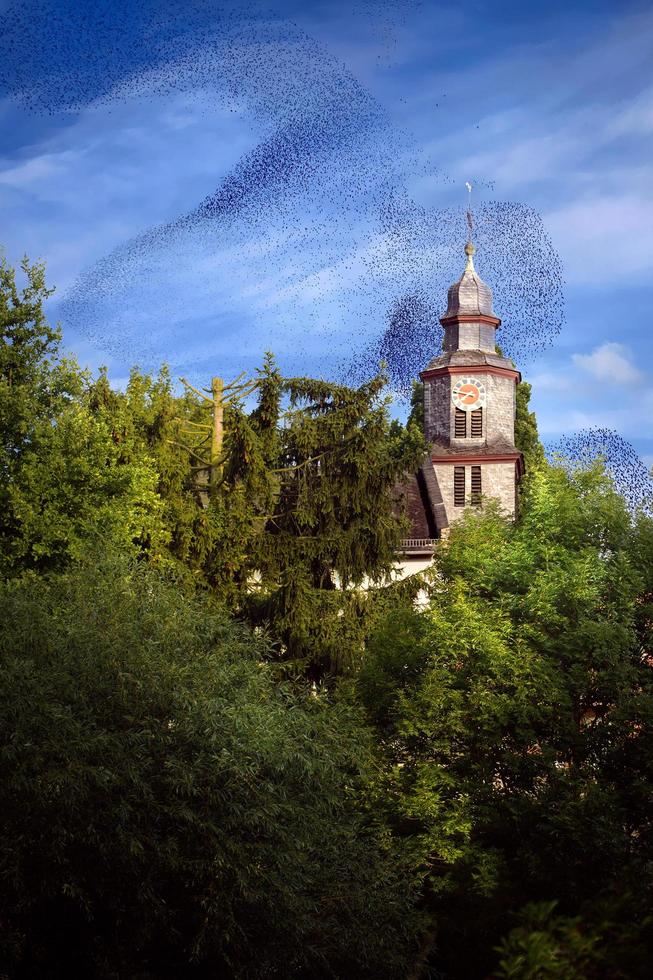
467	460
494	321
471	369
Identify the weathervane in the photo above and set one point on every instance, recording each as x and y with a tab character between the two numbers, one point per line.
470	220
469	247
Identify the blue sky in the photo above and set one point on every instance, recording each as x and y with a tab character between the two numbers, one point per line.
118	121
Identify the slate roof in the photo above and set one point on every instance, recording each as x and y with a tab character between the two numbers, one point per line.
470	296
419	498
469	358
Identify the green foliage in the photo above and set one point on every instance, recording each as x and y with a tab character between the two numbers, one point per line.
65	484
527	438
306	507
547	947
608	939
149	422
170	807
416	416
301	515
166	809
516	722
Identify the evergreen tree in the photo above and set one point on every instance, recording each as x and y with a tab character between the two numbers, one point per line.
527	438
416	415
308	515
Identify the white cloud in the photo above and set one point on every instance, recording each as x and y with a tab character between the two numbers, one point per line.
37	169
574	131
604	238
610	362
550	381
635	118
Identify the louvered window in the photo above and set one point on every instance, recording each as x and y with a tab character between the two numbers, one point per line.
477	423
477	487
459	486
460	424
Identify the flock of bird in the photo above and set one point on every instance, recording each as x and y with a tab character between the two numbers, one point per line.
626	468
326	258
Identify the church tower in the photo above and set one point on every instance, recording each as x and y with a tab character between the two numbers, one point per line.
469	405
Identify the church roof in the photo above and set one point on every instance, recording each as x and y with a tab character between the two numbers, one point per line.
420	500
470	296
469	358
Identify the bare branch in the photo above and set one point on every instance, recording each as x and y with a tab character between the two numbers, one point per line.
174	442
232	384
189	385
199	425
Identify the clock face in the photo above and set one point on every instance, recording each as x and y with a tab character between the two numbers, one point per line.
468	393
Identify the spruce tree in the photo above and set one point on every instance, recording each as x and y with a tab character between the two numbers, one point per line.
309	514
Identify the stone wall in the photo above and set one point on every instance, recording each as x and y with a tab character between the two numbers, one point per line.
469	336
498	413
500	407
438	408
497	480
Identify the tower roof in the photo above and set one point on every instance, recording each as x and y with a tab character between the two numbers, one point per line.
470	296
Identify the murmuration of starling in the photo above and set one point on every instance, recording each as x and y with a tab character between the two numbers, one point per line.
622	463
310	245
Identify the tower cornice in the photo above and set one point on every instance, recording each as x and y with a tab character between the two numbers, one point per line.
469	368
466	459
493	321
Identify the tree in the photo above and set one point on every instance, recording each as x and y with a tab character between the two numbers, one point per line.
416	416
166	809
306	513
64	482
515	714
297	515
527	438
148	421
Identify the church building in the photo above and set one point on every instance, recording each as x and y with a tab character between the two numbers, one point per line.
469	422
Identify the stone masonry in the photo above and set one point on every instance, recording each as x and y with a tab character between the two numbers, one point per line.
469	354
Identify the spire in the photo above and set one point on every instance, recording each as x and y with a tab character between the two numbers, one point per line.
470	296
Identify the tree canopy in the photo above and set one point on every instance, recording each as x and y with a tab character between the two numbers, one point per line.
167	808
232	746
515	714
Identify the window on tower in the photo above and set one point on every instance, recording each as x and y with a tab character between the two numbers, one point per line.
459	486
462	429
477	487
